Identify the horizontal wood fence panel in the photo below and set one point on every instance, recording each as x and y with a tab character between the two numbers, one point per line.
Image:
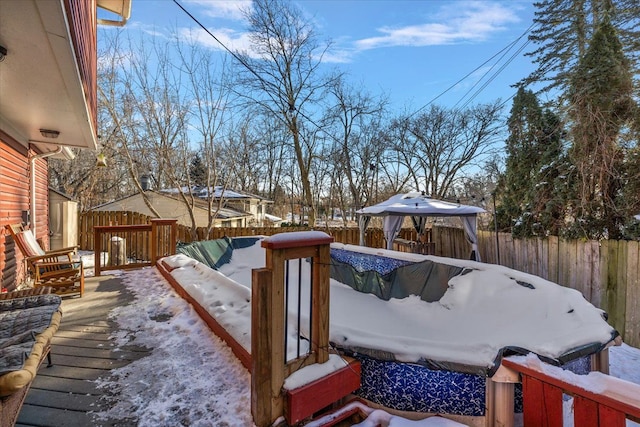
605	272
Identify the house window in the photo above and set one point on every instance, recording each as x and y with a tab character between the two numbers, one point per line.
226	223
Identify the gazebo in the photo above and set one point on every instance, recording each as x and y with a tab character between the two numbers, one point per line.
419	207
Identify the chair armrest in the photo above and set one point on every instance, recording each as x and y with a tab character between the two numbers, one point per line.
37	259
70	249
66	264
63	251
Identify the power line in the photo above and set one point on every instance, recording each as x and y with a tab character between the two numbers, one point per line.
502	52
236	56
511	58
505	49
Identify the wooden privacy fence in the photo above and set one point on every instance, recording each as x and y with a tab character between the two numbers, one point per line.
374	237
605	272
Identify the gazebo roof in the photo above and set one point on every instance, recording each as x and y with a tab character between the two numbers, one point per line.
416	204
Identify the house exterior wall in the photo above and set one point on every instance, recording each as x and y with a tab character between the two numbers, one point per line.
166	207
255	207
15	199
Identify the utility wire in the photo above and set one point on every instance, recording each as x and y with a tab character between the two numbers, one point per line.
504	49
235	55
502	52
491	78
484	86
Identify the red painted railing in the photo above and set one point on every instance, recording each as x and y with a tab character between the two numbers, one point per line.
599	400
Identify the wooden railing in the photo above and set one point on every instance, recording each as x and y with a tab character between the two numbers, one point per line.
599	400
270	289
374	237
118	247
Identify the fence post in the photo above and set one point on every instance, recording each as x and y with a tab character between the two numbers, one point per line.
269	364
97	251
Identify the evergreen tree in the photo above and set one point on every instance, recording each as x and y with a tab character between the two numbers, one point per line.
528	191
602	105
564	29
551	177
513	189
197	171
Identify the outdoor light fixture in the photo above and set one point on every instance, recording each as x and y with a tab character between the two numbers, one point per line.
101	160
3	53
48	133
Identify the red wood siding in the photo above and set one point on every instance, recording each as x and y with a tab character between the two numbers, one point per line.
14	199
82	18
42	201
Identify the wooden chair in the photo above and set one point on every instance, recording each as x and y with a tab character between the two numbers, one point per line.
56	268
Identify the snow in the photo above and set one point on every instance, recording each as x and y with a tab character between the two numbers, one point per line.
469	325
272	218
192	378
314	372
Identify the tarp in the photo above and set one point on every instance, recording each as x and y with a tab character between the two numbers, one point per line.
417	205
215	253
427	279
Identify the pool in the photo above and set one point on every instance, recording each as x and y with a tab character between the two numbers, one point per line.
429	331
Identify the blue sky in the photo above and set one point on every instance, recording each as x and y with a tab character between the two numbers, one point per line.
412	51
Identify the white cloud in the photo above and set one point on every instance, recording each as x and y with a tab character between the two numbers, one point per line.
232	39
468	21
229	9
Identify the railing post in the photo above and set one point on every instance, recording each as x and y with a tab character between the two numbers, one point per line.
269	364
500	397
97	251
154	242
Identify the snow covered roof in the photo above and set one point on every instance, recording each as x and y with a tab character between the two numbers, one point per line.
417	204
218	192
272	218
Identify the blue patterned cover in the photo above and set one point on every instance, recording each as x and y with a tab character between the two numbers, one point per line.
368	262
415	388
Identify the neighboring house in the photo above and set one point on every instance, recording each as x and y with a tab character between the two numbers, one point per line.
242	201
171	206
48	106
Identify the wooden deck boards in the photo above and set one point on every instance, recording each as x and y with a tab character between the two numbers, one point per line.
66	394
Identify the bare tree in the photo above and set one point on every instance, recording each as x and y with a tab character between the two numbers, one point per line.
438	145
208	90
354	120
159	112
282	73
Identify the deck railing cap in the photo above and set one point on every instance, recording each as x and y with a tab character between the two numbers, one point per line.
296	239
